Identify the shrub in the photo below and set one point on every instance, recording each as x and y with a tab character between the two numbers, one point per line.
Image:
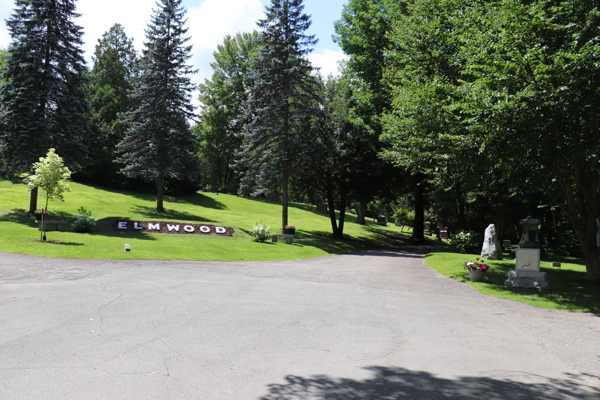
463	241
261	232
403	216
85	222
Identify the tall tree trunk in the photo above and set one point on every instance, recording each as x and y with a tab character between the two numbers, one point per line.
160	193
284	205
33	200
589	245
331	207
286	153
418	228
581	207
460	205
342	214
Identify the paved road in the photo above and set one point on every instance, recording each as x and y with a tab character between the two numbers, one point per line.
372	325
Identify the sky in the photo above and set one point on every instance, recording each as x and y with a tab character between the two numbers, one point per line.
209	21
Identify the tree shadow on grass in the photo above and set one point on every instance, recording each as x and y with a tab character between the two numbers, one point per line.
61	243
197	199
326	242
149	212
20	216
569	289
400	383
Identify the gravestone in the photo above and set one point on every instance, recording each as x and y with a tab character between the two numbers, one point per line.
427	228
506	244
529	235
491	249
381	220
272	196
527	273
322	208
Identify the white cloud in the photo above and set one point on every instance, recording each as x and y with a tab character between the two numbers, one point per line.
98	16
328	61
214	19
208	24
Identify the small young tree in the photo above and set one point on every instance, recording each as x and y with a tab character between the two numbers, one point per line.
51	175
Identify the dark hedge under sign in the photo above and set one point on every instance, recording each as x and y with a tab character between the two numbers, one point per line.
171	227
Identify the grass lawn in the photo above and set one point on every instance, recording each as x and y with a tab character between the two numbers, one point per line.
569	289
19	232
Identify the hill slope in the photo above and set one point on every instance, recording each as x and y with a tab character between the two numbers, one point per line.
19	232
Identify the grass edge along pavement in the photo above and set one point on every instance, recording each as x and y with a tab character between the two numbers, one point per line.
19	234
569	288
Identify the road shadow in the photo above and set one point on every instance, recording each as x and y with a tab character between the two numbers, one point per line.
405	252
400	383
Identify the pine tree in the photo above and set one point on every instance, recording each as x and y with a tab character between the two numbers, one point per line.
283	94
159	145
43	104
109	90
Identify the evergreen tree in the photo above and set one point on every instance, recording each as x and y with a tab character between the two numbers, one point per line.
159	144
43	104
222	116
282	95
109	91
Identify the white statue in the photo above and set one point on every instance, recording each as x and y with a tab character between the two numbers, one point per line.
492	249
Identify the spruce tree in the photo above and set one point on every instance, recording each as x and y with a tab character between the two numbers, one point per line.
283	94
159	144
109	90
43	104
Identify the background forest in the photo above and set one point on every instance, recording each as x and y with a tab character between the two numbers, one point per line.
460	113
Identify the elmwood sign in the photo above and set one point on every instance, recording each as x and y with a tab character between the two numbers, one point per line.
171	227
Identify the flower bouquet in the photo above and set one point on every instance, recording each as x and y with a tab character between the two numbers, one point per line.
477	269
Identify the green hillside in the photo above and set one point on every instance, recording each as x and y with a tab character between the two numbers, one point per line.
19	232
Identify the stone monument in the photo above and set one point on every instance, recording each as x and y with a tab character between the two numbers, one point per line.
527	271
529	236
491	250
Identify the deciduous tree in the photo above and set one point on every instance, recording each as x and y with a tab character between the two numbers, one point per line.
51	175
531	92
222	113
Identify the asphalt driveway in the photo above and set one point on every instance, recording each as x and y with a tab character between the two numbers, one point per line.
372	325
